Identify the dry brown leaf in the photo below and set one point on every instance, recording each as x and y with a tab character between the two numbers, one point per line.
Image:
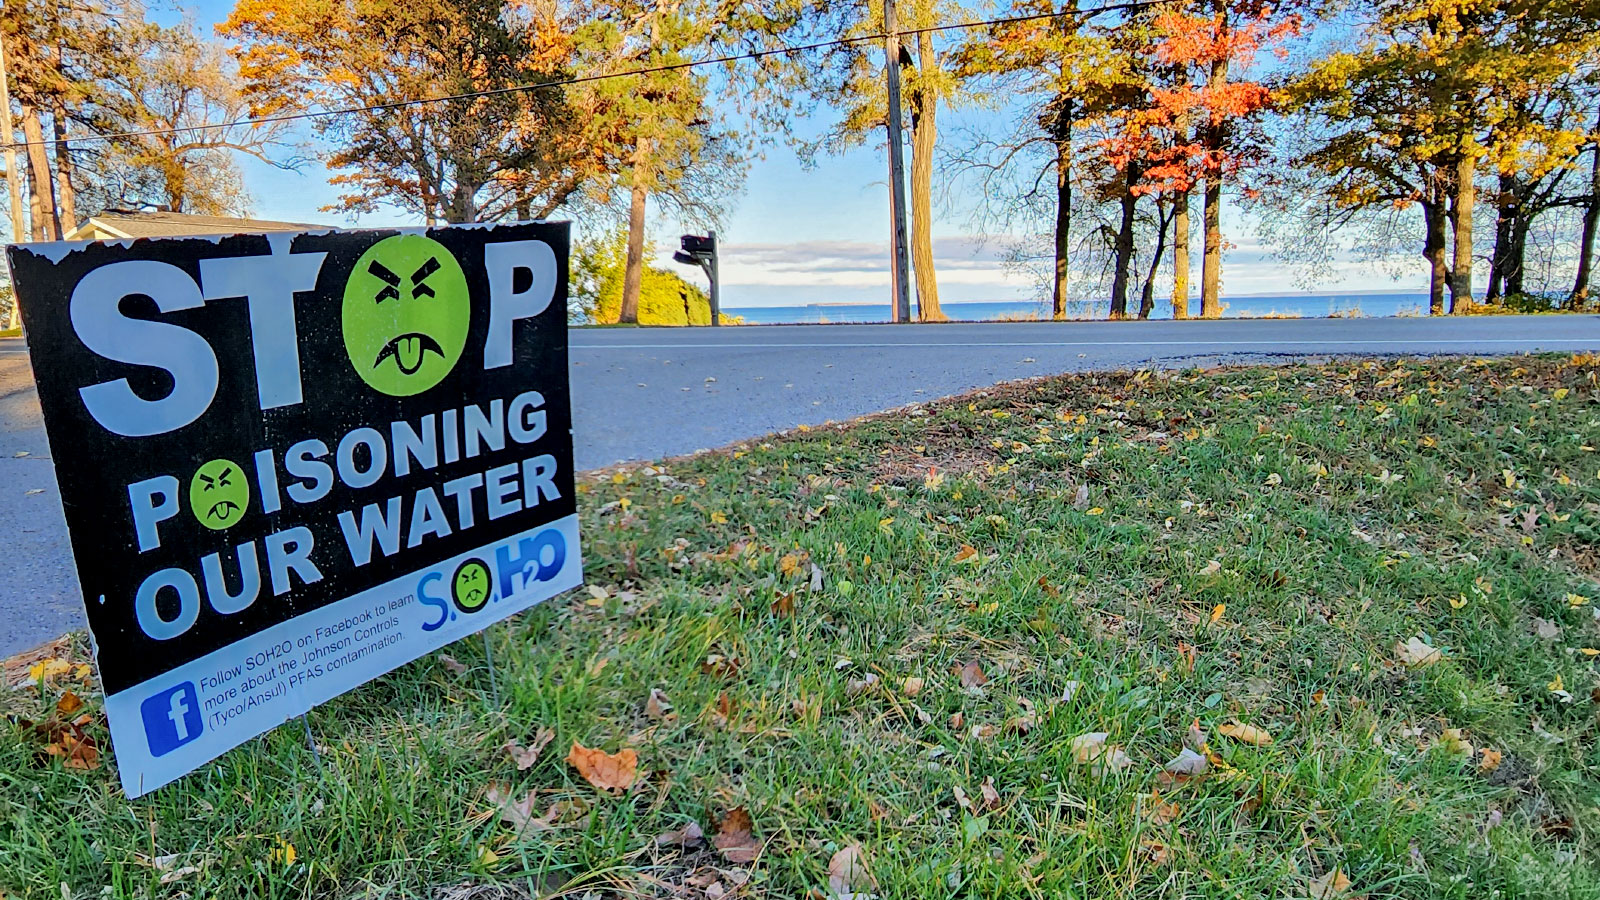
657	707
1546	630
847	873
734	839
689	835
525	757
1102	758
1159	853
967	554
1211	568
1248	734
1159	811
991	797
449	662
69	704
912	686
518	811
1490	760
783	606
855	687
1080	500
1417	652
972	676
606	771
1330	886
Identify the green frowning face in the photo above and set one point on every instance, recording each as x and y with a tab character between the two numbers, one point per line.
405	314
470	586
219	494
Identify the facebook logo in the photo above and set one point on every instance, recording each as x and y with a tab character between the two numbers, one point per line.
171	718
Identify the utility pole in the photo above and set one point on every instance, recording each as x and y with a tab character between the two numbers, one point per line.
900	282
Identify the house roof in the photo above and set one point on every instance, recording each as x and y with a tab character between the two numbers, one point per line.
160	223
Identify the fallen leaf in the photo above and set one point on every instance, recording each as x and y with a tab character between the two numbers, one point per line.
912	686
69	704
967	554
847	873
858	686
450	663
282	853
783	605
1211	568
1546	630
1159	853
1080	500
1490	760
734	839
689	835
1248	734
1330	886
657	707
991	797
525	757
517	811
1452	741
1103	759
1417	652
1159	811
972	676
1188	764
1217	612
606	771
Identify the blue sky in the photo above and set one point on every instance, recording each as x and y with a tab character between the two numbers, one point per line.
814	235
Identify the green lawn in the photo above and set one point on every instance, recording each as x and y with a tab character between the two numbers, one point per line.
1160	558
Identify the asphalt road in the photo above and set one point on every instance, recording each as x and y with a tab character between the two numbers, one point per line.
647	393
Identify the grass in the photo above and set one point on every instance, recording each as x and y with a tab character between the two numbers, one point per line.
1248	548
10	332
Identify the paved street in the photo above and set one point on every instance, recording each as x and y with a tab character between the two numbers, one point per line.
644	393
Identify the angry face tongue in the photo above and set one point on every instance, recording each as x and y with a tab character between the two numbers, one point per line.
408	351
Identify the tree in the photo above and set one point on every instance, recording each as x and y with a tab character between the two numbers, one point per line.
598	273
1223	110
849	76
386	63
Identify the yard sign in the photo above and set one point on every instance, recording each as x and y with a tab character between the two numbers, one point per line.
292	462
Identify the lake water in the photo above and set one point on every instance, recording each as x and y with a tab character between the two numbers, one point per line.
1297	305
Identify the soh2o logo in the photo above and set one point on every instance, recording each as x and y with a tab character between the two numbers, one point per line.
473	584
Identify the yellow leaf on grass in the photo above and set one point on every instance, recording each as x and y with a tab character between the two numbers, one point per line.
1248	734
1096	511
1560	394
1576	600
1217	612
1458	601
283	853
1490	760
606	771
48	668
718	517
884	523
967	554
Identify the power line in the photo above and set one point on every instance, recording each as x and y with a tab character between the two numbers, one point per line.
585	79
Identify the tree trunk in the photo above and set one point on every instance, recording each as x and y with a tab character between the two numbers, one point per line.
1147	297
1433	247
1124	246
47	225
1180	256
1211	266
924	133
1062	133
1517	257
1591	223
1505	204
1461	262
64	170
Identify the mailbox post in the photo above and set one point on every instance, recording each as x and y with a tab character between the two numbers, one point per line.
701	250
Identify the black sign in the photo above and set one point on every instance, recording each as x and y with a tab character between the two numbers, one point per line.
292	462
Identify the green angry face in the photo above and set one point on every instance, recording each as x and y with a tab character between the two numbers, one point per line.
405	314
219	494
470	586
